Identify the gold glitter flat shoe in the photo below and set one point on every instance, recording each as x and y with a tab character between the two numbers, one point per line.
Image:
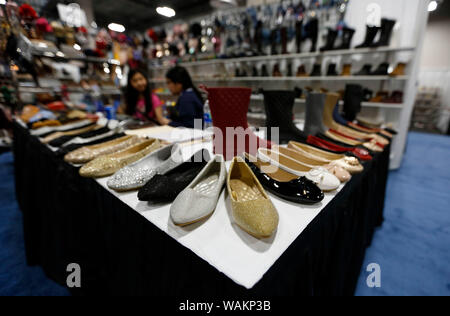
253	211
85	154
107	165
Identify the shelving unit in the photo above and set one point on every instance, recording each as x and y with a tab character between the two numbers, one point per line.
380	50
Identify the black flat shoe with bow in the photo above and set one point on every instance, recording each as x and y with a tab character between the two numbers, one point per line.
284	184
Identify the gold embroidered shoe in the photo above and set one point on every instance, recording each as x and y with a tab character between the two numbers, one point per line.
253	211
85	154
107	165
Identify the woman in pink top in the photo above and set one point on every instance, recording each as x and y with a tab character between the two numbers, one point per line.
140	101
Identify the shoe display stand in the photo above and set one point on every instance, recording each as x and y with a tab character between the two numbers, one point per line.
128	247
405	47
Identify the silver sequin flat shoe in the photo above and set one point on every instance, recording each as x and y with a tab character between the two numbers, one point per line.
135	176
199	199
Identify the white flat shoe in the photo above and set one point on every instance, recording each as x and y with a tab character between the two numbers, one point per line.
322	177
136	175
62	128
199	199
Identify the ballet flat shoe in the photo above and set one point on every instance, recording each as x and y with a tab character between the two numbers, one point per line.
136	175
88	153
107	165
319	175
342	174
284	184
252	209
199	200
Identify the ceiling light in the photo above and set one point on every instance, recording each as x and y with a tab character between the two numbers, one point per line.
77	47
166	11
119	28
432	6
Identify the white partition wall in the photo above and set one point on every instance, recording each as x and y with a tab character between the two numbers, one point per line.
412	17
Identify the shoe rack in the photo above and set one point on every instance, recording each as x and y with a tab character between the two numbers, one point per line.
405	47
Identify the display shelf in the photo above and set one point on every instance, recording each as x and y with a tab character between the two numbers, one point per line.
291	56
295	79
104	91
77	58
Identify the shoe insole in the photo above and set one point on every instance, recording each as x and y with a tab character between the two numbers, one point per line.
242	192
207	185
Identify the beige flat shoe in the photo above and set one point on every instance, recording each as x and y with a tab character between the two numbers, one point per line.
56	135
314	153
350	164
253	211
342	174
85	154
107	165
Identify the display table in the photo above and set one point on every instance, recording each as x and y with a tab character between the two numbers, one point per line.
126	247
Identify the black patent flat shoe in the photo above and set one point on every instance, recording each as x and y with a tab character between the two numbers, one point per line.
165	188
284	184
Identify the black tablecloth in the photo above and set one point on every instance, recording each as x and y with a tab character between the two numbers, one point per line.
69	219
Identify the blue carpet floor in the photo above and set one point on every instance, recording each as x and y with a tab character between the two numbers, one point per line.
412	248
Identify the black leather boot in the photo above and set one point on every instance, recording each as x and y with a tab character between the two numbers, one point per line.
371	33
289	72
353	98
315	105
382	70
264	71
279	107
387	26
347	36
258	39
273	42
331	39
317	71
365	71
332	70
284	40
312	30
299	35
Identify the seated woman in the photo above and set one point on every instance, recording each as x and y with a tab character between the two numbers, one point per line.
190	103
141	103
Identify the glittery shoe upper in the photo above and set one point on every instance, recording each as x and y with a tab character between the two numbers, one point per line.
109	164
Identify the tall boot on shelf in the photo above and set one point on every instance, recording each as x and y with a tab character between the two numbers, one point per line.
301	71
317	71
258	39
229	108
332	70
331	39
312	30
279	107
382	70
347	36
276	71
353	99
399	70
299	35
289	72
284	40
365	71
346	70
315	103
387	27
264	71
371	34
273	42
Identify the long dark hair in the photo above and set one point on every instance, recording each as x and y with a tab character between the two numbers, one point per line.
180	75
132	95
